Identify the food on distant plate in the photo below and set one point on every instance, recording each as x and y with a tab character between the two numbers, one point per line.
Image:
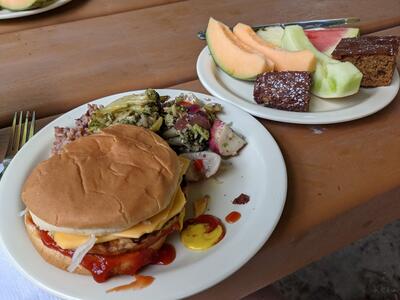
324	39
303	60
356	61
374	56
106	202
284	90
224	140
17	5
232	55
332	78
200	205
285	49
202	165
202	232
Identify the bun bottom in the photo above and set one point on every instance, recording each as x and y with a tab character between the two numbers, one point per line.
56	258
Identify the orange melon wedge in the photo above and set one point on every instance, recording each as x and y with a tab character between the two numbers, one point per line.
284	60
232	55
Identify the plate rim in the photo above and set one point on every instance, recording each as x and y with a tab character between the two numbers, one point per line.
223	275
309	118
24	13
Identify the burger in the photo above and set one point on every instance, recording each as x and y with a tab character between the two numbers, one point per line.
106	203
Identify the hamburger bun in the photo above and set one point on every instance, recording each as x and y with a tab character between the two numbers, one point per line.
56	258
102	183
52	256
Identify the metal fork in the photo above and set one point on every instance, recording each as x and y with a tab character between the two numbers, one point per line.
20	134
305	24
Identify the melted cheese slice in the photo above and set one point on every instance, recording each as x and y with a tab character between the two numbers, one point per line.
73	241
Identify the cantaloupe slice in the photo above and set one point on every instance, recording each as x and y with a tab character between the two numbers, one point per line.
233	56
17	5
284	60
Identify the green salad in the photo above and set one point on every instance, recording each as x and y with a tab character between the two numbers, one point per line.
184	122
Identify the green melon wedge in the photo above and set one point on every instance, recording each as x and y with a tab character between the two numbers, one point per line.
272	35
332	78
232	55
17	5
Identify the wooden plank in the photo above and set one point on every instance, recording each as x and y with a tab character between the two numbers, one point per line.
52	69
78	10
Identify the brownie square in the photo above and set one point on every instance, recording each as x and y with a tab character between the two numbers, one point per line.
374	56
289	90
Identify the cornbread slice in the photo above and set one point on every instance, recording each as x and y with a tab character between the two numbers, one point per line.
374	56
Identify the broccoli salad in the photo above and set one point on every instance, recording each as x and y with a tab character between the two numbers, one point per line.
184	122
190	126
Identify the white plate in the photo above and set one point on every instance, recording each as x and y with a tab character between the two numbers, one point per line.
8	14
258	171
322	111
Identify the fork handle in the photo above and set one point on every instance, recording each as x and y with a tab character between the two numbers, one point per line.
305	24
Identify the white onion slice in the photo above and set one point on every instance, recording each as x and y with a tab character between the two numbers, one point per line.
211	163
80	253
23	212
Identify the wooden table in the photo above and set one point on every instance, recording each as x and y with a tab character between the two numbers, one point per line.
343	183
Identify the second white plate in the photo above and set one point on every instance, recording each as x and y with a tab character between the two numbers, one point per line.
8	14
322	111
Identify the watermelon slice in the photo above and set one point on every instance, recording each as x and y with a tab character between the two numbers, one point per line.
324	39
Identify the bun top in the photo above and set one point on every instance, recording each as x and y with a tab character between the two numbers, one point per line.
111	180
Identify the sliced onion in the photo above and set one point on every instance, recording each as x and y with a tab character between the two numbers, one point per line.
23	212
211	162
80	253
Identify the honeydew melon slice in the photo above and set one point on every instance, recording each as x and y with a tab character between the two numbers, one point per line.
332	78
233	56
303	60
272	35
17	5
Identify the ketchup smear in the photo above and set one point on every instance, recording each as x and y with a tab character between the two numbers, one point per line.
165	255
103	267
199	165
233	217
140	283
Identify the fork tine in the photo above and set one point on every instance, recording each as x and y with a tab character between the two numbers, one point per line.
32	128
25	130
18	136
12	136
